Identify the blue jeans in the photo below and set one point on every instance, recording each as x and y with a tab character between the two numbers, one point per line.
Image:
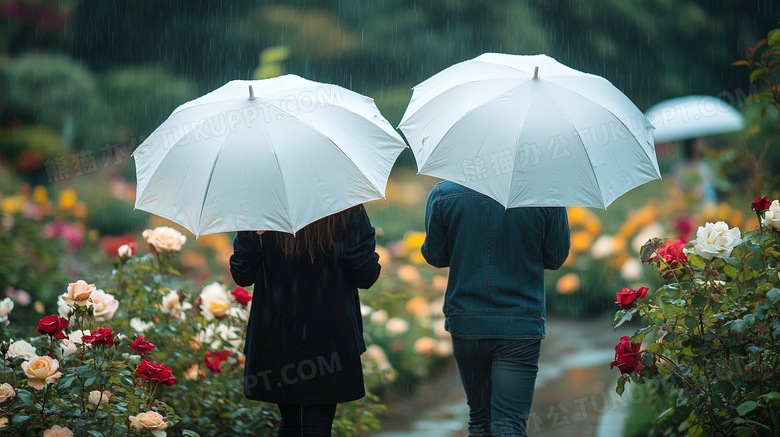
498	376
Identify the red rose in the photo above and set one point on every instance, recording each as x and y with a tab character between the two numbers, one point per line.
141	345
627	357
626	298
760	204
52	325
154	372
215	359
242	296
100	336
673	256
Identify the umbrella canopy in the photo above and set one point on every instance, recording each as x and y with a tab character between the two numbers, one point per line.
529	131
695	116
273	154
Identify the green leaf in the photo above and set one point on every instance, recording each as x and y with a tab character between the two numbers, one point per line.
709	335
25	397
773	295
688	351
750	319
739	326
731	271
756	74
190	433
695	430
773	37
743	431
625	317
621	385
696	261
690	322
20	419
747	407
772	396
701	350
699	302
95	433
670	337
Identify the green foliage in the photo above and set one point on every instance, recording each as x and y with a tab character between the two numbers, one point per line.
717	322
143	97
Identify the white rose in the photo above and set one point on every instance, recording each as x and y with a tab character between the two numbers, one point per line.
70	344
6	392
631	270
58	431
220	336
365	310
171	305
716	240
6	305
164	239
22	349
139	325
772	216
378	317
125	251
397	326
63	307
602	247
96	397
104	305
443	348
214	301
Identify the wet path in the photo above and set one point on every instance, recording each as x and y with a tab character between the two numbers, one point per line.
574	393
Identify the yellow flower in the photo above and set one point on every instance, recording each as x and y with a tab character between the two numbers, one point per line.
384	257
40	194
576	215
581	241
67	198
191	373
568	283
13	204
415	304
440	283
414	240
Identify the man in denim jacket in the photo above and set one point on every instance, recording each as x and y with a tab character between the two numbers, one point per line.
494	306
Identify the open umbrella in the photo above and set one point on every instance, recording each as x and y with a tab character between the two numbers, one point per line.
695	116
273	154
529	131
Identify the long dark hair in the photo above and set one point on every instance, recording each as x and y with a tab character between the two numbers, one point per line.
315	238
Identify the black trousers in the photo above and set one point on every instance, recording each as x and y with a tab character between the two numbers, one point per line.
306	420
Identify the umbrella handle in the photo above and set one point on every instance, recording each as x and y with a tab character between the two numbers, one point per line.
251	93
536	76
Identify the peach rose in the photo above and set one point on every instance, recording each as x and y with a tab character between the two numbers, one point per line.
424	345
3	422
58	431
151	420
6	392
78	292
164	239
41	371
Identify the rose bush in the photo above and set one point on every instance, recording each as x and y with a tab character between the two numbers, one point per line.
716	330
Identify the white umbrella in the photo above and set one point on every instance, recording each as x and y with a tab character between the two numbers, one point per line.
297	152
529	131
695	116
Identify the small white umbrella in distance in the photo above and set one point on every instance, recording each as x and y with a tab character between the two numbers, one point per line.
529	131
293	152
694	116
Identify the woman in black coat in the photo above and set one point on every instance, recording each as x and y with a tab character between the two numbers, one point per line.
305	331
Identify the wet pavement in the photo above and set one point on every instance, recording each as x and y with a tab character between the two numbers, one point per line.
574	393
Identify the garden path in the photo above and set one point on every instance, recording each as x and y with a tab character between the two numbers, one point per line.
574	390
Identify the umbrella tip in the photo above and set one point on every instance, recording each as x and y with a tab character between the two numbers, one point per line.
251	93
536	74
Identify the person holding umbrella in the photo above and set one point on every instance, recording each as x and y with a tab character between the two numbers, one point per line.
305	331
516	138
296	159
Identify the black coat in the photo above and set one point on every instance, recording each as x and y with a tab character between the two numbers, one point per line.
305	332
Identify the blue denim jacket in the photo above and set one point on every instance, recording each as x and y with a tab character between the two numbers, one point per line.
496	257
